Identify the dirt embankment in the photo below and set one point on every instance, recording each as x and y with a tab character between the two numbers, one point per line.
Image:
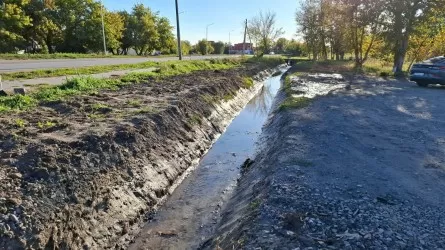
83	173
362	167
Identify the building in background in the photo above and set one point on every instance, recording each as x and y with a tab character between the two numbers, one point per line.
238	48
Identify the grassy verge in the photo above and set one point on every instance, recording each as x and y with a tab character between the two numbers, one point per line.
89	85
79	71
371	67
57	56
292	102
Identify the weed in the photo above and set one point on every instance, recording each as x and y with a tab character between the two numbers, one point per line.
210	99
195	120
248	82
90	85
134	103
295	103
46	125
19	123
228	97
255	204
99	106
96	116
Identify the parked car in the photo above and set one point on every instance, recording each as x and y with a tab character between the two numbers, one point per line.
431	71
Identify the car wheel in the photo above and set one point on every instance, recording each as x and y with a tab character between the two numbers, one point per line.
422	84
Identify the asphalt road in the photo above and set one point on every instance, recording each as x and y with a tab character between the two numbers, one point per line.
7	66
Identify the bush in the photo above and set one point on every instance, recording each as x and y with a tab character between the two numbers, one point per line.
204	47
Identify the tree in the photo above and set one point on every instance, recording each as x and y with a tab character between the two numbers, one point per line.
204	47
81	25
126	40
218	48
428	38
13	20
142	30
294	48
45	30
404	16
262	29
308	19
114	27
281	44
167	42
366	18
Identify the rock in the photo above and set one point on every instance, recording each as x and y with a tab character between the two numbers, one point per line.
14	218
167	233
14	201
19	91
3	93
15	175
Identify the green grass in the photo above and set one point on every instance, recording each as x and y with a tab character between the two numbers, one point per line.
292	102
134	103
295	103
195	120
248	82
89	85
56	56
19	123
46	125
371	67
79	71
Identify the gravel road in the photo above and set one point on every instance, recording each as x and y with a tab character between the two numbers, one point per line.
360	168
7	66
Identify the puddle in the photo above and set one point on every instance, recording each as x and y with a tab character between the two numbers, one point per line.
190	215
314	85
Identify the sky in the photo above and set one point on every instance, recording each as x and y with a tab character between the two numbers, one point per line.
227	16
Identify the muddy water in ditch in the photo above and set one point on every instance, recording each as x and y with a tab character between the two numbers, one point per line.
189	216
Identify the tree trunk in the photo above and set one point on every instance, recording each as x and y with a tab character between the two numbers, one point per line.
399	57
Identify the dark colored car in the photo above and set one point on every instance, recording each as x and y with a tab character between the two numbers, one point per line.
431	71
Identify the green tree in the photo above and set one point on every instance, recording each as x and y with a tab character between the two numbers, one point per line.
126	40
114	28
294	48
142	27
281	44
167	42
44	30
404	17
13	21
81	24
218	48
204	47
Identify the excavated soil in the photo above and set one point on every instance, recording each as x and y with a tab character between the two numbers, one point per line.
85	172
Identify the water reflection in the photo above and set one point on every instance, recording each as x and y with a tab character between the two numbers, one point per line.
261	103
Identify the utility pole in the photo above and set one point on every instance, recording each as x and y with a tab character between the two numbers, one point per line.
178	31
207	31
103	28
244	42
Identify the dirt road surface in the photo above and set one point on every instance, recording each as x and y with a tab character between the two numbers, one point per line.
360	168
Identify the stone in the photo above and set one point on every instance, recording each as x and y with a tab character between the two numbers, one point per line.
19	91
15	175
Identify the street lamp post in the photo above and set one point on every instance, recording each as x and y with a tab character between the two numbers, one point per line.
230	42
207	31
103	28
178	30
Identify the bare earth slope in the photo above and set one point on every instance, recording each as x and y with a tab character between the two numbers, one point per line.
82	173
360	168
